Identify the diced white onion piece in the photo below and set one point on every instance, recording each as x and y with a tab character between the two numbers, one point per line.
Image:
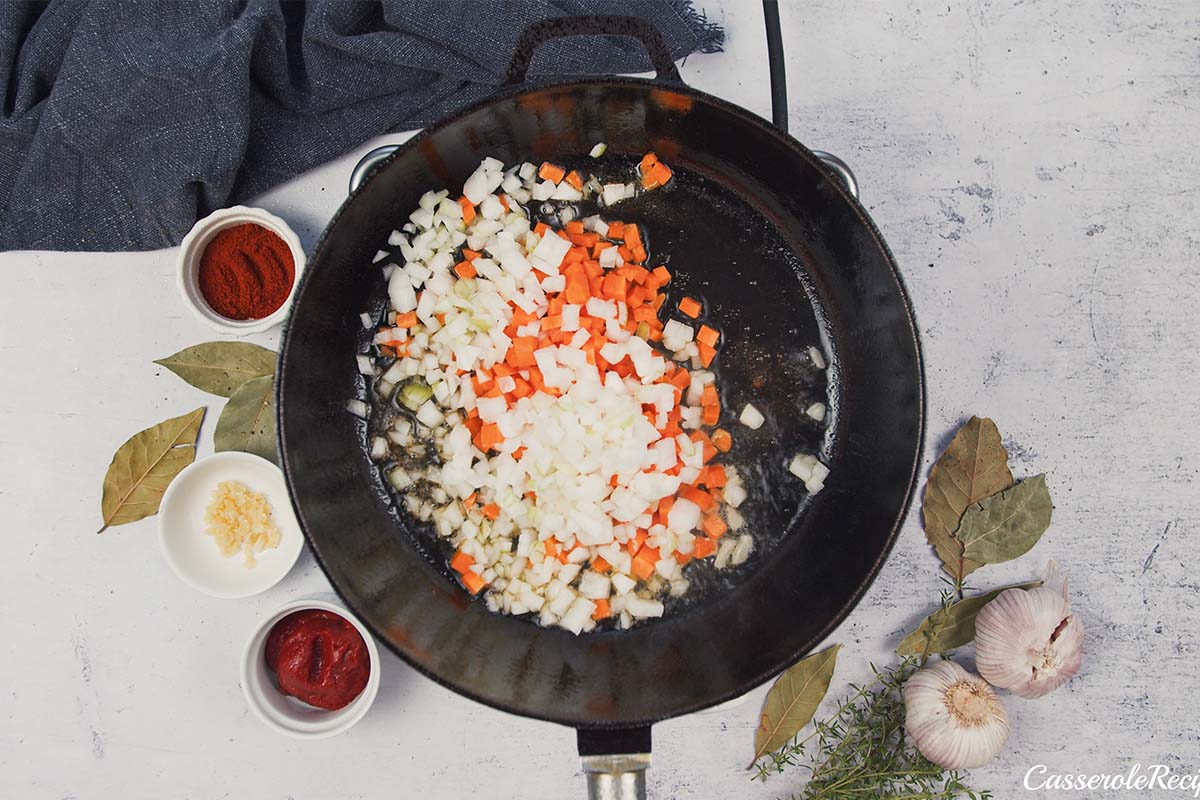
358	408
751	417
816	411
429	414
379	448
817	358
401	293
741	551
598	150
365	367
366	320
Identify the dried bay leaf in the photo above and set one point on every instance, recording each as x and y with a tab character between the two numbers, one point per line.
145	465
220	367
1006	525
953	626
793	700
247	422
974	466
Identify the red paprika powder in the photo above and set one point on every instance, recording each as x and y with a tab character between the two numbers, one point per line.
246	272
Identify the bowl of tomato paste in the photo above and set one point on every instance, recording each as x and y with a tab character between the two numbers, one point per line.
310	669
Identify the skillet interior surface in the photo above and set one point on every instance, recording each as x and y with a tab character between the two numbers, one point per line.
784	259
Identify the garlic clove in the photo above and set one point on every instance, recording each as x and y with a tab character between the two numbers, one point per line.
953	717
1028	641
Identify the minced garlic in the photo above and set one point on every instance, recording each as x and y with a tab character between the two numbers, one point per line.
239	519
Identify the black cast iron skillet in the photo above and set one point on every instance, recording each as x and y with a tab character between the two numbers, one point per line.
784	256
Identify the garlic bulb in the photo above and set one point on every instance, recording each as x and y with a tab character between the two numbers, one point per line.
1027	640
953	717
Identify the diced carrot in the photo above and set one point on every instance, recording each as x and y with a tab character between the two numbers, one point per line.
574	227
504	202
541	229
587	239
643	562
659	276
468	209
463	269
520	354
473	582
708	336
714	526
710	415
680	379
601	611
708	397
707	354
700	498
406	320
491	511
616	231
715	476
469	500
703	548
461	562
469	255
644	314
614	287
489	436
600	564
647	162
722	440
658	175
690	307
633	236
574	180
551	172
577	289
683	558
551	546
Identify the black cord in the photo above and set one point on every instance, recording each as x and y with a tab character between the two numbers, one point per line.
779	107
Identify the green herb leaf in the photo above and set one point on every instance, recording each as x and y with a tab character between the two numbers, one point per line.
974	466
248	421
1007	525
793	700
220	367
952	626
145	465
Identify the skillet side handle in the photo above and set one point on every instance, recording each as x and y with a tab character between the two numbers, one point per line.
614	762
597	25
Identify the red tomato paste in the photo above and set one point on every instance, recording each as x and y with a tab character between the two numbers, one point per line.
318	657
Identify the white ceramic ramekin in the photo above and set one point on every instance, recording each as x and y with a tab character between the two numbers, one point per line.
195	557
285	714
192	248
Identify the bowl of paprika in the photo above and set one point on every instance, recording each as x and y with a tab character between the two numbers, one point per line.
238	269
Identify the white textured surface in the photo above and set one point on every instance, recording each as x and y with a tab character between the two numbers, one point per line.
1033	168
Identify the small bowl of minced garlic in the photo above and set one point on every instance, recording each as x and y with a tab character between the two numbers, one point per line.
226	525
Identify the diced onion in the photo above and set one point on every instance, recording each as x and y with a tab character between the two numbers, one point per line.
751	417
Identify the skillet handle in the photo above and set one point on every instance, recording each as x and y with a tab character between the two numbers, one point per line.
614	762
598	25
